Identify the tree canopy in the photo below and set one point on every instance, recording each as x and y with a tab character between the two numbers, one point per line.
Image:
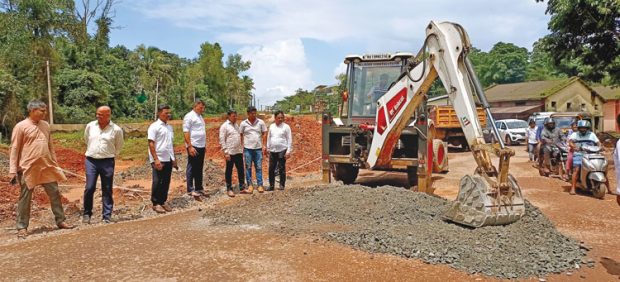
86	72
585	38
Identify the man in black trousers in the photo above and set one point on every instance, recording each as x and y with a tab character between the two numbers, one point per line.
104	141
230	141
161	155
195	137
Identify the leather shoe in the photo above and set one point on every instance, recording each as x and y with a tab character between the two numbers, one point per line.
230	193
86	219
166	207
64	225
158	209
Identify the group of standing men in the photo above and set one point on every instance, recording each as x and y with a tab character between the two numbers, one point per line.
33	160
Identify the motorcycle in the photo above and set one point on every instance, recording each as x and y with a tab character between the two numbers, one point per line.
593	174
559	155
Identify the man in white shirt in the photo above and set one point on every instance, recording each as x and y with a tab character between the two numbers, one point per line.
230	141
582	137
532	142
104	141
279	145
253	131
195	137
161	156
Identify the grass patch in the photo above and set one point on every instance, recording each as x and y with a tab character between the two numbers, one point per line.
71	140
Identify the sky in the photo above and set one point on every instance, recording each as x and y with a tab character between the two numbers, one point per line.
302	43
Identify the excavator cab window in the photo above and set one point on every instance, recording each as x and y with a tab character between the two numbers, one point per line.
369	81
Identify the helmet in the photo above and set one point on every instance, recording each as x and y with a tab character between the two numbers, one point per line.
583	123
548	121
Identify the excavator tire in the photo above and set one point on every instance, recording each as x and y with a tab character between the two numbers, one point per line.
477	206
346	173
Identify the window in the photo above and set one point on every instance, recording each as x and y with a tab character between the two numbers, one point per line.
568	106
553	105
503	126
583	107
595	107
370	81
520	103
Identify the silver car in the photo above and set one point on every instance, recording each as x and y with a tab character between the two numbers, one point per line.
512	131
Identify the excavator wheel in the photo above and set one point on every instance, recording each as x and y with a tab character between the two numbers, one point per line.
476	204
346	173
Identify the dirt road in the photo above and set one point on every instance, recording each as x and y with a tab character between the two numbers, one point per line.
185	246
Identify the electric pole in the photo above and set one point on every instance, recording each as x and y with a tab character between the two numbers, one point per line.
49	92
156	96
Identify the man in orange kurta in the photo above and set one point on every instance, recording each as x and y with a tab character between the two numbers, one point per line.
33	163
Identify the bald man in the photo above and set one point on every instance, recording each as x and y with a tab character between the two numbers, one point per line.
104	141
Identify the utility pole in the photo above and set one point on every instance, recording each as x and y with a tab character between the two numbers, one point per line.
49	92
156	96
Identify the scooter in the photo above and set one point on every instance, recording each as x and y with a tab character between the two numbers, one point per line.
593	174
559	154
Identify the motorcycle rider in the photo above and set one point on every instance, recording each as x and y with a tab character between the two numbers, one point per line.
550	136
583	136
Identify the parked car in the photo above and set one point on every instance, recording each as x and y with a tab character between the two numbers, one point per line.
512	131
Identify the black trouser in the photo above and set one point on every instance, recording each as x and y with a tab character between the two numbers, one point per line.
105	169
237	161
194	170
277	159
161	183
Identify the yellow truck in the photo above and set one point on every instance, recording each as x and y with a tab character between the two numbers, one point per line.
447	127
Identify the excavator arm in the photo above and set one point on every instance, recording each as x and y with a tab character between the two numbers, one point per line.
490	196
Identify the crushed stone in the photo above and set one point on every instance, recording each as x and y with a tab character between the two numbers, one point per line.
400	222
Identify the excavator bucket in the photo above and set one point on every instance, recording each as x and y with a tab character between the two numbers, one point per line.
478	204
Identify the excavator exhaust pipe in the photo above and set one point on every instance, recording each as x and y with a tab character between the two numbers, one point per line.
478	204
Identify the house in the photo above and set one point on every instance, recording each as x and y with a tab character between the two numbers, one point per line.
611	108
520	100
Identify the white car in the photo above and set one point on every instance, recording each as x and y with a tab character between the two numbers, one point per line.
512	131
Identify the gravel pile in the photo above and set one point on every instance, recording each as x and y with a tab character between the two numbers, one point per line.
396	221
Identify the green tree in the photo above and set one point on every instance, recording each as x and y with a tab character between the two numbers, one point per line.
541	65
585	38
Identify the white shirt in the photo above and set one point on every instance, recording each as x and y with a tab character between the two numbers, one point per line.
530	134
103	144
253	133
195	125
230	138
617	166
590	138
279	138
162	134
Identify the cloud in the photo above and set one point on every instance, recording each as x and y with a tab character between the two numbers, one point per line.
340	69
278	69
274	29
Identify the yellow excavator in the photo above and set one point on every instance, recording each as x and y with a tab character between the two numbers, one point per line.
383	125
